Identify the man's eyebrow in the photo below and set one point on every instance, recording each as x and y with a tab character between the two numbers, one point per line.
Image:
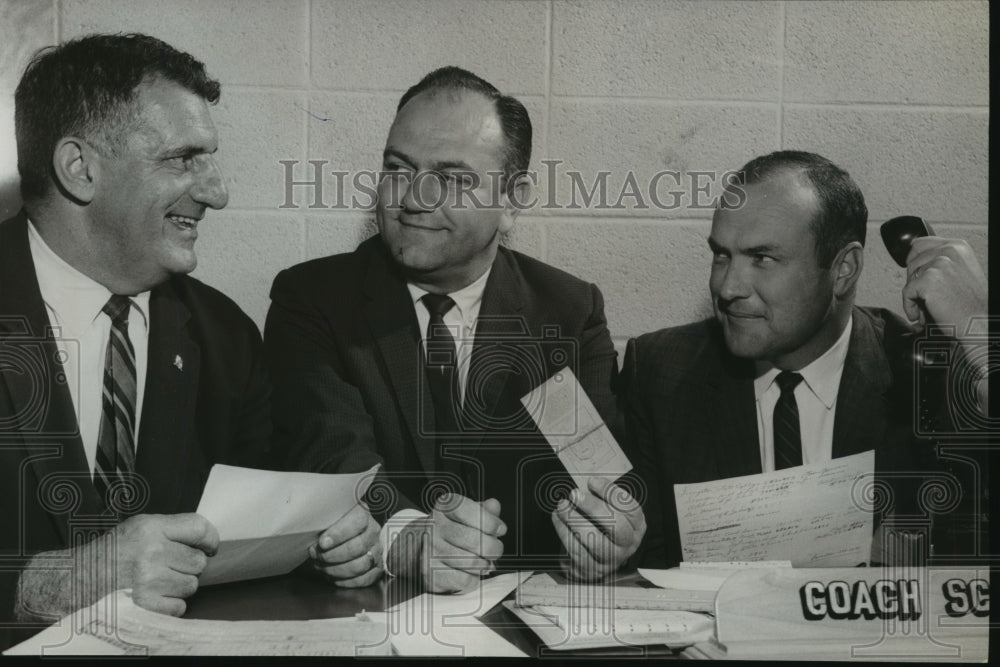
392	152
188	149
714	245
763	249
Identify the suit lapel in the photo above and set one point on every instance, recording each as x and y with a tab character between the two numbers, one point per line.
393	325
499	318
33	377
736	429
167	442
860	418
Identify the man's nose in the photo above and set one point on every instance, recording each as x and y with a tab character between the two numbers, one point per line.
733	282
422	192
209	188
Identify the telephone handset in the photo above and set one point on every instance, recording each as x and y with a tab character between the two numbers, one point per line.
898	234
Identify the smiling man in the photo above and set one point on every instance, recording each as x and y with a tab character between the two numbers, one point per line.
414	351
122	380
790	371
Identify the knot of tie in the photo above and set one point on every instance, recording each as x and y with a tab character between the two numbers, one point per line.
117	309
788	381
438	304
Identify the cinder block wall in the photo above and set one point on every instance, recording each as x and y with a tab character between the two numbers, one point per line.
895	92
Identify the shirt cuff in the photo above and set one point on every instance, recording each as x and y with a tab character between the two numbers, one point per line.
390	531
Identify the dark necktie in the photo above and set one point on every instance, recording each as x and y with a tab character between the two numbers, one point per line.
441	365
116	438
787	434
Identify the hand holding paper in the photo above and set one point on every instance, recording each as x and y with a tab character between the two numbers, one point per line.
599	528
601	524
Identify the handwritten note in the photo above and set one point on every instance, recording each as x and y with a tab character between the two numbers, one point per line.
816	515
574	428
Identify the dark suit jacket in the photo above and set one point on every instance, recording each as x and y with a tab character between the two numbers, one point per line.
215	410
691	417
344	351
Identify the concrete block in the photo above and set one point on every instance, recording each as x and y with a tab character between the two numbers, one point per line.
928	163
348	132
336	232
674	50
25	27
902	52
652	274
257	130
10	197
648	139
258	43
391	45
240	252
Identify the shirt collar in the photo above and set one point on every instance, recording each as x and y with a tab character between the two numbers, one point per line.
822	376
467	300
76	298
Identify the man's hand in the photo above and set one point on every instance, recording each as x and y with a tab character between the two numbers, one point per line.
944	276
599	528
160	557
348	553
460	543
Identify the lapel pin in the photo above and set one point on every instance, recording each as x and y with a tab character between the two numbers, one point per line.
179	363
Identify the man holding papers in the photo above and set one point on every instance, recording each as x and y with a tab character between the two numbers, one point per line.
789	371
415	350
122	380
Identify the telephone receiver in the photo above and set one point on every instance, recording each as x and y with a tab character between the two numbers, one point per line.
898	234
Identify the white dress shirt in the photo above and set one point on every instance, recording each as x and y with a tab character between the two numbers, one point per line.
461	321
74	304
815	396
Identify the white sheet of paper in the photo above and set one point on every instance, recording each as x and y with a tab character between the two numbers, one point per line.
703	576
266	519
815	515
447	625
571	424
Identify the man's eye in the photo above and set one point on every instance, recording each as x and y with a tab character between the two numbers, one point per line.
763	260
719	257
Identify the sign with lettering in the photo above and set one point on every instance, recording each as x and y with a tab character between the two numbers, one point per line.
856	614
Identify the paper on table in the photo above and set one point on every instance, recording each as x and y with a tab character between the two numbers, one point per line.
571	424
115	625
447	625
816	515
266	520
703	576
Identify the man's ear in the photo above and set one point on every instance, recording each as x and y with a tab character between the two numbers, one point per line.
516	199
847	268
74	164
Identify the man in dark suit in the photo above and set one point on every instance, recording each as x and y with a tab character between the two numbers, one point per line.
121	379
415	350
708	400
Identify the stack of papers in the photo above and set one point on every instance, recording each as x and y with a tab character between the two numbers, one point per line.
115	625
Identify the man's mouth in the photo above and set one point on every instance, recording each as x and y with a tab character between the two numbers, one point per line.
183	221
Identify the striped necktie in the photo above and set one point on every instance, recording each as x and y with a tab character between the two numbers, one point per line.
787	433
116	438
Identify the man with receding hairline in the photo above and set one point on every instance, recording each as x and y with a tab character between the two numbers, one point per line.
414	351
122	379
790	371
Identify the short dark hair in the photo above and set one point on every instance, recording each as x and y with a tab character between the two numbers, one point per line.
842	216
86	87
514	121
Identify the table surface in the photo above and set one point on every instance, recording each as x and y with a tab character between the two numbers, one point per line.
301	596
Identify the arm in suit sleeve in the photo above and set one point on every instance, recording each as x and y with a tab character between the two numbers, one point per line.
638	444
598	362
320	419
